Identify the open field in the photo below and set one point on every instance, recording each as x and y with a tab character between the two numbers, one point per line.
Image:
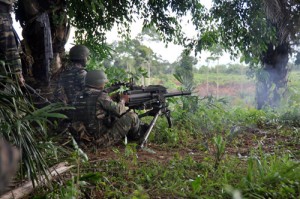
236	89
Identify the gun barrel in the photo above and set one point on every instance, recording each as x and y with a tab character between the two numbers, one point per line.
136	100
178	93
148	95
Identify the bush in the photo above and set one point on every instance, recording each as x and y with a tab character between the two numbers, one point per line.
25	126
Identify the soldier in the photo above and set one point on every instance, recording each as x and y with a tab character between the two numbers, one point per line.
102	120
8	48
45	31
71	81
34	19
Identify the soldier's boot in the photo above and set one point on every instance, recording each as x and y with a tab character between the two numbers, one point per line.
138	134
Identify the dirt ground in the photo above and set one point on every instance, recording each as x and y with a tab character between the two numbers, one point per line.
240	146
230	89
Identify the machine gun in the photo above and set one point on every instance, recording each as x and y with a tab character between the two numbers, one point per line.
153	99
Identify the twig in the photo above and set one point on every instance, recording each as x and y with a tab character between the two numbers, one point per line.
27	188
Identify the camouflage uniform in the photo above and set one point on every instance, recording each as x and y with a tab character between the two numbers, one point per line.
106	122
71	83
8	47
34	19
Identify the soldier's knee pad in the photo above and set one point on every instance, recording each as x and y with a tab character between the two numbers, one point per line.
133	117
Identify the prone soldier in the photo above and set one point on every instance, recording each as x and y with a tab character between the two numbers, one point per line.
100	119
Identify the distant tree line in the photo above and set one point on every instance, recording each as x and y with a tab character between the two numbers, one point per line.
133	54
226	69
294	67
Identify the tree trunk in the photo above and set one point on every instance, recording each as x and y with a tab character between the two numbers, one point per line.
45	31
272	82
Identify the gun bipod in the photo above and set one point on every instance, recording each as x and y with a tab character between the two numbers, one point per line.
144	140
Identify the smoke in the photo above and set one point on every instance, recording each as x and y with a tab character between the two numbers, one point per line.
272	79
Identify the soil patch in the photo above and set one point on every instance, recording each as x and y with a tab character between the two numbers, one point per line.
229	89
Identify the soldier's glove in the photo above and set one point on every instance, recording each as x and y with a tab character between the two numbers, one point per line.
125	98
115	97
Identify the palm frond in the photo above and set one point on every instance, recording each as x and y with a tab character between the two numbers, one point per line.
24	126
284	14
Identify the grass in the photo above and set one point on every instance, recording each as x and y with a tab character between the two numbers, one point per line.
222	79
294	79
258	176
25	127
230	153
214	150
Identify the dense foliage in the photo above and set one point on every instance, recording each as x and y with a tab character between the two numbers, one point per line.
26	127
248	26
162	15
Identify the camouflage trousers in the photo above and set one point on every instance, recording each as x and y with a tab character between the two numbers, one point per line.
38	37
128	125
8	47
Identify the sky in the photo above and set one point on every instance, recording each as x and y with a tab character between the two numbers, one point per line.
169	53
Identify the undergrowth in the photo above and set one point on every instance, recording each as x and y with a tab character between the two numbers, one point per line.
259	176
244	153
268	170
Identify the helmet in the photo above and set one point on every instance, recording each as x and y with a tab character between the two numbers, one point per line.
95	78
79	53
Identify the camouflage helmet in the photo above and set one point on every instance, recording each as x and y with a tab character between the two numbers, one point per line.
79	53
95	78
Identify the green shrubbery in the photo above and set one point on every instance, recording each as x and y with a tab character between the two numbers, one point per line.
217	174
26	127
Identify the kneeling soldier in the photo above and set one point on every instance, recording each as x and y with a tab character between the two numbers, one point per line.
71	80
105	122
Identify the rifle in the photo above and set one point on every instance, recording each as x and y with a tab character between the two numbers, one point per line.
117	85
32	91
153	99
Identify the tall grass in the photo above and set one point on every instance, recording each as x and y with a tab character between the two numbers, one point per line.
271	177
